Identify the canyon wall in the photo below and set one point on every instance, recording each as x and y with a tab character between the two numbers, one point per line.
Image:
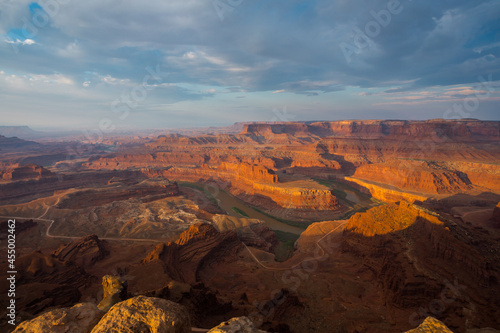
385	193
415	255
244	180
30	171
456	130
28	189
416	176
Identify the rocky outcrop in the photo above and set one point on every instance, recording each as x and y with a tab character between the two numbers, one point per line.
415	176
26	190
415	255
252	232
80	318
30	171
486	175
115	290
20	227
387	218
462	130
14	143
309	239
301	195
221	139
385	193
160	188
248	173
298	196
84	252
430	325
196	249
45	281
160	159
236	325
145	314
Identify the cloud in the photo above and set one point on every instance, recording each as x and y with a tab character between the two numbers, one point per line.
27	41
260	49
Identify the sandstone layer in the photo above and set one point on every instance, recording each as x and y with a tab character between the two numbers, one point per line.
430	325
80	318
148	314
415	176
413	252
236	325
195	249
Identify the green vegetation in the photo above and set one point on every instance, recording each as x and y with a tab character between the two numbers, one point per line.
285	249
239	211
199	188
301	225
339	188
330	182
340	194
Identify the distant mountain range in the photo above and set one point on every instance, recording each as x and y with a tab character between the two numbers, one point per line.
22	132
10	143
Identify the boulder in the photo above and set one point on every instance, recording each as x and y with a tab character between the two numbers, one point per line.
115	290
430	325
145	314
80	318
236	325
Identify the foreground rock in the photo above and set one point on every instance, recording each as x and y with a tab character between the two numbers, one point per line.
77	319
145	314
430	325
115	290
236	325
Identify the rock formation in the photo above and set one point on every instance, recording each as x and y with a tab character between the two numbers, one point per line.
80	318
115	290
430	325
30	171
236	325
300	195
14	143
160	188
412	252
386	193
415	176
44	281
372	273
308	240
83	252
252	232
26	190
196	248
145	314
464	130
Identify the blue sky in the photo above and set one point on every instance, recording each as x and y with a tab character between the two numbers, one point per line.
186	63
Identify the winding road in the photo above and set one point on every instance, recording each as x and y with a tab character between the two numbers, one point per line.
49	235
47	232
299	264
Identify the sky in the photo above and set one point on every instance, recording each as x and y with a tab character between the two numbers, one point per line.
120	64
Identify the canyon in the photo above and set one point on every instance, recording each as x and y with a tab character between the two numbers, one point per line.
334	226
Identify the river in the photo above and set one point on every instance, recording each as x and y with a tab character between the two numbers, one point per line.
226	201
